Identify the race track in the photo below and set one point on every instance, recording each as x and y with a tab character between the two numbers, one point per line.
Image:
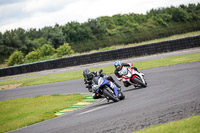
173	93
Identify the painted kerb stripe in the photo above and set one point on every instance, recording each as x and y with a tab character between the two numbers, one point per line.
89	100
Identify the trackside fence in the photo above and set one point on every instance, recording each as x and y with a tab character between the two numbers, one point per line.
148	49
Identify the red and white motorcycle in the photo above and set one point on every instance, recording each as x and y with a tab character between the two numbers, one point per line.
133	77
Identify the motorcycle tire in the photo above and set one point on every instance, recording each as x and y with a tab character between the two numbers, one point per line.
108	94
121	96
139	81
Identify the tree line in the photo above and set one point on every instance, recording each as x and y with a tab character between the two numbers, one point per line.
98	33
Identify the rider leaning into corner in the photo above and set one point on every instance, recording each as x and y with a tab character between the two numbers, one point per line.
118	66
89	78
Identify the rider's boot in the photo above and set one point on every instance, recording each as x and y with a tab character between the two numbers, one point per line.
107	99
136	86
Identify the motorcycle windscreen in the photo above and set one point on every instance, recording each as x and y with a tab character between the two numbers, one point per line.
124	71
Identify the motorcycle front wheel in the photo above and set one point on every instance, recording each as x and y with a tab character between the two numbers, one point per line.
110	95
139	81
121	96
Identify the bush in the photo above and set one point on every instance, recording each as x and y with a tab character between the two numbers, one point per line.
15	58
64	50
33	56
47	50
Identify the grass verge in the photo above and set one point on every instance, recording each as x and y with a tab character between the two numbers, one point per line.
58	77
179	36
17	113
188	125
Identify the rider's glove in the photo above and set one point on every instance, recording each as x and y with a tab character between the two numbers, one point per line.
120	79
130	64
103	75
95	73
85	81
94	88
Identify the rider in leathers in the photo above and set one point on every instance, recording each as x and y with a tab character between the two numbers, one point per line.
118	66
89	79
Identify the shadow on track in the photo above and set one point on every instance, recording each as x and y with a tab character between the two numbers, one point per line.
138	88
103	104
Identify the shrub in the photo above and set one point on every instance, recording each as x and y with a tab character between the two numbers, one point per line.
64	50
47	50
15	58
33	56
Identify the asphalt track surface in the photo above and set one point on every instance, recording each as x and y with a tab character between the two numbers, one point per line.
173	93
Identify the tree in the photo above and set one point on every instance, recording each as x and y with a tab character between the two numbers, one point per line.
98	29
56	36
179	15
64	50
104	31
37	43
53	35
2	49
33	34
16	58
108	21
47	50
76	32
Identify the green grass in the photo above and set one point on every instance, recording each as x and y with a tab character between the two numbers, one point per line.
17	113
189	125
58	77
189	34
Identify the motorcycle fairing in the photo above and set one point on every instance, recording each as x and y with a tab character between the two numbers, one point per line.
102	81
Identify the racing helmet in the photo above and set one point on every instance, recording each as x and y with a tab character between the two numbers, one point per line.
117	65
87	74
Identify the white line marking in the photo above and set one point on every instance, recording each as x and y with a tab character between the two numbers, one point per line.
92	110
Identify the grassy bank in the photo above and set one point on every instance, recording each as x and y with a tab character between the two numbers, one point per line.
17	113
189	34
189	125
58	77
179	36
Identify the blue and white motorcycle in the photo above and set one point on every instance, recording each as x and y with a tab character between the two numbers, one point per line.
107	89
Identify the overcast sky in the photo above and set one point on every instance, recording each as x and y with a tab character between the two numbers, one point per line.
39	13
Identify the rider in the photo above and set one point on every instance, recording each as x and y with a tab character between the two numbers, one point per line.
118	66
91	77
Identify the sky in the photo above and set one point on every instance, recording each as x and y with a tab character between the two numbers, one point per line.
40	13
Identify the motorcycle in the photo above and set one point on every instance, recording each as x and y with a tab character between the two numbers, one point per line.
111	92
133	77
